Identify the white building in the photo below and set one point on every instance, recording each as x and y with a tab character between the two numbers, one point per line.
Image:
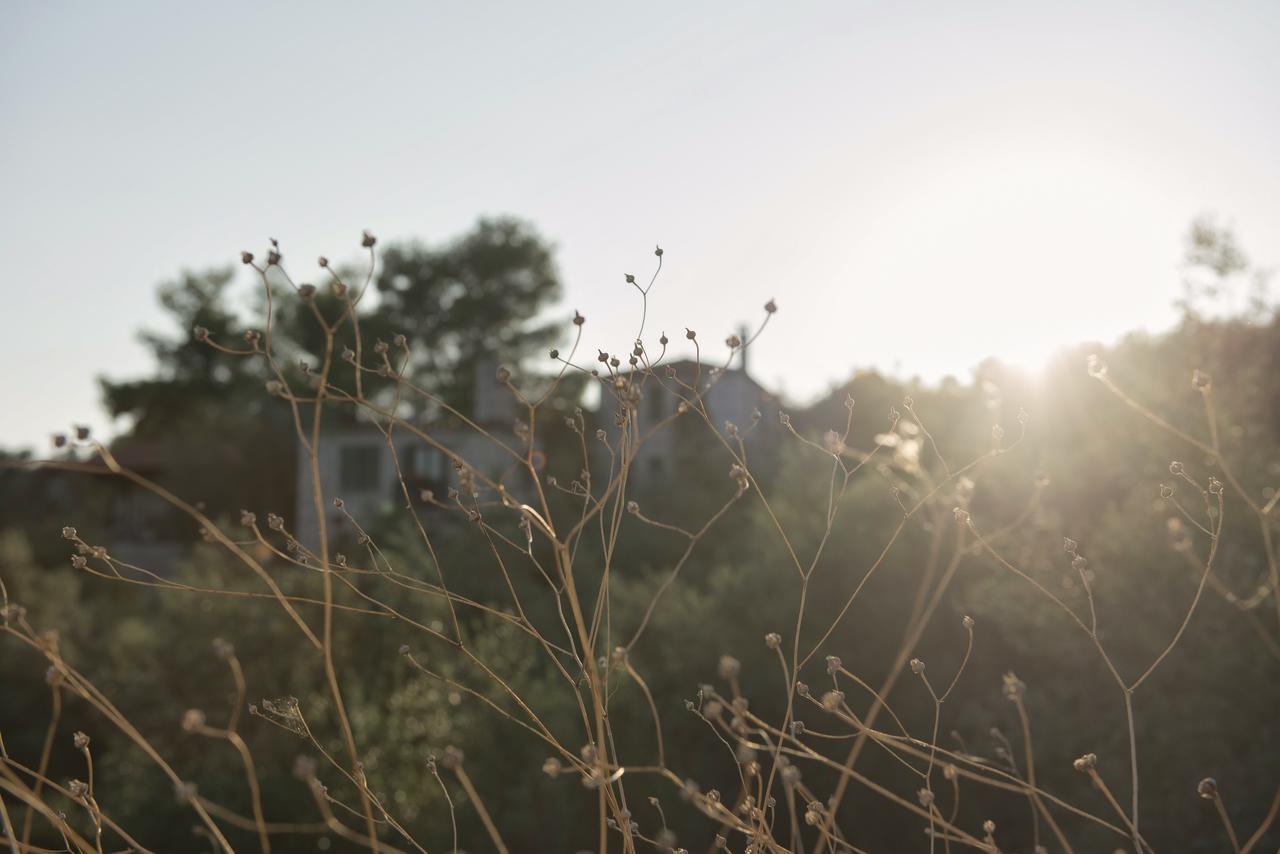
358	464
731	396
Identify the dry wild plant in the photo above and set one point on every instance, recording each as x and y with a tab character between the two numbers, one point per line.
773	809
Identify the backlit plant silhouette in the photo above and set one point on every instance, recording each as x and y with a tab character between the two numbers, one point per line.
795	752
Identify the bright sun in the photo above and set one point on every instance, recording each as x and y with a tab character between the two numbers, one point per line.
1011	249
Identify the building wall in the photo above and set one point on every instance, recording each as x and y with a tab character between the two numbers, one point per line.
357	466
732	397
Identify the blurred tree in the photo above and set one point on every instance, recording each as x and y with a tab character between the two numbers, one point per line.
1215	267
467	303
202	418
191	378
462	306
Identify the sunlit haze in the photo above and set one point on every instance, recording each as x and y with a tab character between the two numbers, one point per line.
917	190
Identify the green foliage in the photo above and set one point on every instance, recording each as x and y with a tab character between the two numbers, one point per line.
1087	466
469	301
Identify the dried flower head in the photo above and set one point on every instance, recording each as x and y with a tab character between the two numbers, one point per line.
452	757
192	720
1085	762
304	768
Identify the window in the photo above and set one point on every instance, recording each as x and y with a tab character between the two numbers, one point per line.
423	463
657	406
358	468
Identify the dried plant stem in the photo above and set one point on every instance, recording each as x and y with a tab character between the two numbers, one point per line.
1267	821
1025	723
10	834
1226	821
55	714
474	798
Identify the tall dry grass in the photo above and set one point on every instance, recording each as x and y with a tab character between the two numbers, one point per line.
773	807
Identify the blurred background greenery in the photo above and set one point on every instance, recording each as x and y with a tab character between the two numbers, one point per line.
201	424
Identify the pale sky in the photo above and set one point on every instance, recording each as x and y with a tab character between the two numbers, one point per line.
919	185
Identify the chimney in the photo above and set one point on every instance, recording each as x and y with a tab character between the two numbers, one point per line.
744	334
